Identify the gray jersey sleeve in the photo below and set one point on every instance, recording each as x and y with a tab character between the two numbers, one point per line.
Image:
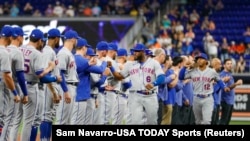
5	62
19	65
125	71
63	59
38	62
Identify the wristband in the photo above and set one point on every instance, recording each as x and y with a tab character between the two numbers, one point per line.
112	69
14	92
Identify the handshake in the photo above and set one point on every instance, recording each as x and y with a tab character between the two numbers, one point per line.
109	64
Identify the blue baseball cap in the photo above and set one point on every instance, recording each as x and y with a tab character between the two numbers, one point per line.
91	52
71	34
54	32
131	52
82	42
112	46
18	31
6	31
201	55
37	34
102	45
122	52
139	47
149	52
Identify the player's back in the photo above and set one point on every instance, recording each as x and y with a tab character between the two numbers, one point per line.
17	61
32	63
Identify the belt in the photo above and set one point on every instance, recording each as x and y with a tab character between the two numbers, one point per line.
31	83
72	83
144	92
203	95
120	93
93	96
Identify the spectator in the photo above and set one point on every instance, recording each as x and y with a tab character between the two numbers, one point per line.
194	17
147	32
49	11
206	39
205	24
6	9
206	11
37	13
241	64
240	48
155	5
187	48
184	18
133	12
219	5
189	35
87	11
58	10
179	27
165	41
166	22
1	10
28	9
14	11
70	12
246	35
232	48
211	25
96	10
212	49
224	49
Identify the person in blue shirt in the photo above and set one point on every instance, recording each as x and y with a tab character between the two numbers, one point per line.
84	68
228	98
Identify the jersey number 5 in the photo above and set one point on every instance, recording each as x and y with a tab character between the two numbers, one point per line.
26	65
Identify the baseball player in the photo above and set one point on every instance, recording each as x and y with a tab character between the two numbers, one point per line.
202	78
69	76
34	73
227	97
101	82
113	88
6	79
186	109
51	95
145	74
17	67
85	66
122	99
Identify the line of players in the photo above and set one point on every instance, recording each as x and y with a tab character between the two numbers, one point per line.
110	86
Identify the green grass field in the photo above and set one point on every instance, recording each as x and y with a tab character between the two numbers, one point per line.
240	122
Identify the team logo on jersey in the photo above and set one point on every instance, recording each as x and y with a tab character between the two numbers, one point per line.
71	64
56	62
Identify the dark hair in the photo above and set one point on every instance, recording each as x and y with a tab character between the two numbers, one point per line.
226	60
167	57
34	40
177	60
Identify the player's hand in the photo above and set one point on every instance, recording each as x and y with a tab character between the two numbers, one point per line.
186	102
17	98
67	97
25	99
92	61
109	88
226	89
149	86
239	82
59	78
56	98
109	64
106	72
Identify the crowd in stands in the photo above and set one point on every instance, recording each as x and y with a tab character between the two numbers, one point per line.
178	30
73	8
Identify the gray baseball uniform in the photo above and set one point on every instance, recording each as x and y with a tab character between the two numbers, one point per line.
17	64
33	62
203	90
111	106
140	76
67	63
4	67
49	108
